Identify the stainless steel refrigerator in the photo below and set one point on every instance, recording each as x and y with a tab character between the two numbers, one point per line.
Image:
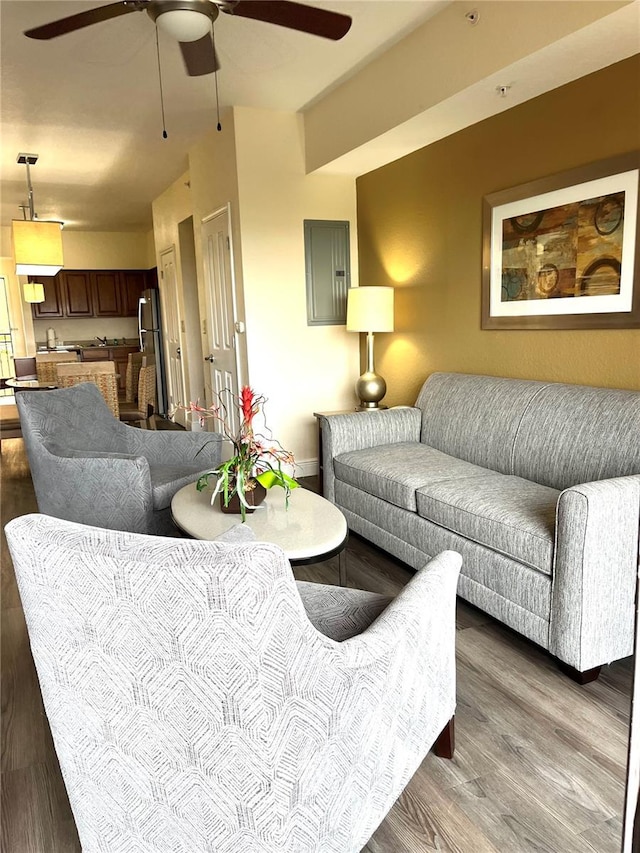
150	334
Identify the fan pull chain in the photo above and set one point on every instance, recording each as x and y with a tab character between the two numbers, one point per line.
215	76
164	128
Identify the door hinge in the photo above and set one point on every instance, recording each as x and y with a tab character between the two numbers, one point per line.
228	242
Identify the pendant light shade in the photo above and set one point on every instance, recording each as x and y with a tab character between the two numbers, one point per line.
37	247
33	292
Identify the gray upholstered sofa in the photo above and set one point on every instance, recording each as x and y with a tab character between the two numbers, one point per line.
536	484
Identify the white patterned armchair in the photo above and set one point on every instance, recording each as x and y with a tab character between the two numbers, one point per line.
89	467
195	707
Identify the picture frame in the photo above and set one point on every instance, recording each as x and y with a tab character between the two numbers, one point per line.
563	252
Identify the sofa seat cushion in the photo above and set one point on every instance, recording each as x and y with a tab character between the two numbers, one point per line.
166	480
507	514
394	472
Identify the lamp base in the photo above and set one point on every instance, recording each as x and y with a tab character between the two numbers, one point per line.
370	389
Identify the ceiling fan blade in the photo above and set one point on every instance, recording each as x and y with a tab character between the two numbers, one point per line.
295	16
199	56
85	19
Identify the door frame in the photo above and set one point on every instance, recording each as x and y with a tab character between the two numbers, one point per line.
179	415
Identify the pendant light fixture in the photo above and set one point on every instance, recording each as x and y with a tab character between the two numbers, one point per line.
33	292
37	245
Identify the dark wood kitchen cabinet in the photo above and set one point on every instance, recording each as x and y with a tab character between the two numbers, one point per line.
132	284
106	293
76	293
91	293
52	305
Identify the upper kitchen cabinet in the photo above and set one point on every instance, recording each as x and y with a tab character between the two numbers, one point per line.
106	293
52	305
91	293
132	284
76	293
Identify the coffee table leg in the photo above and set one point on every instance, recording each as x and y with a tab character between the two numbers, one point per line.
342	568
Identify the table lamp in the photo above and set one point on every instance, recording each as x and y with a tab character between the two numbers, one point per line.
370	309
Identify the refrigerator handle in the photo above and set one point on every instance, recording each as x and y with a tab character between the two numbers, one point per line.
140	303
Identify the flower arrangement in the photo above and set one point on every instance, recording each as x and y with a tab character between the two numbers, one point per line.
257	459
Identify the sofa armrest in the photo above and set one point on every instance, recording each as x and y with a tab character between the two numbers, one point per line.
357	430
595	567
176	447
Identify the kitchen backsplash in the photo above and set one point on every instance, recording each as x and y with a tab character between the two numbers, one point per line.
72	331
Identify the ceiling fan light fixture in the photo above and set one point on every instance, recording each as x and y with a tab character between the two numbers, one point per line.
185	24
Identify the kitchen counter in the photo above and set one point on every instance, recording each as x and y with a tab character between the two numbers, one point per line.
78	346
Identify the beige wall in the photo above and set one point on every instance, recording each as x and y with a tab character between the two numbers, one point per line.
299	368
22	331
256	165
104	250
420	229
214	184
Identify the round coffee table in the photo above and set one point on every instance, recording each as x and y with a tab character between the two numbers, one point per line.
310	530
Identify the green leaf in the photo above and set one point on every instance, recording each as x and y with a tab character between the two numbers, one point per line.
276	478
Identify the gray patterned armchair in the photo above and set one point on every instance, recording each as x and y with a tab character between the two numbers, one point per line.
90	468
195	707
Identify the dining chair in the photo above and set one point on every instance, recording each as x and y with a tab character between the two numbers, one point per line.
201	700
25	367
141	409
101	373
46	363
135	361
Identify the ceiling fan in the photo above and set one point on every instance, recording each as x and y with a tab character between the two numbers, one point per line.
189	21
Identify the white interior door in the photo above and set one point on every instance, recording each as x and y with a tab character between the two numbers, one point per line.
176	386
224	332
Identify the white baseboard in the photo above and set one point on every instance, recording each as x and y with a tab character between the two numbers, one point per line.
307	468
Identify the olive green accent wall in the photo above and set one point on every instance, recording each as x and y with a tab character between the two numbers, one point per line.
420	230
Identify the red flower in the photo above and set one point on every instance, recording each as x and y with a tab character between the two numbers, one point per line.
247	404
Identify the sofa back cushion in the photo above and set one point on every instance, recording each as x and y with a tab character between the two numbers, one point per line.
475	418
554	434
573	434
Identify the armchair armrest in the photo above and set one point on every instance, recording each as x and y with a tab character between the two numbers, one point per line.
594	578
111	490
357	430
397	680
176	447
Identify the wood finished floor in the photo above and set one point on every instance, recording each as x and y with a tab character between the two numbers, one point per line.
539	763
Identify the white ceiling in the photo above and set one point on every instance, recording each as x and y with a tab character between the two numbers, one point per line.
88	103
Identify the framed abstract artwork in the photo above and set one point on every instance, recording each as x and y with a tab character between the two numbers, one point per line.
563	252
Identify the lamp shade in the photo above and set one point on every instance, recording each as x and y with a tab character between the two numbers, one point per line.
37	247
370	309
33	292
